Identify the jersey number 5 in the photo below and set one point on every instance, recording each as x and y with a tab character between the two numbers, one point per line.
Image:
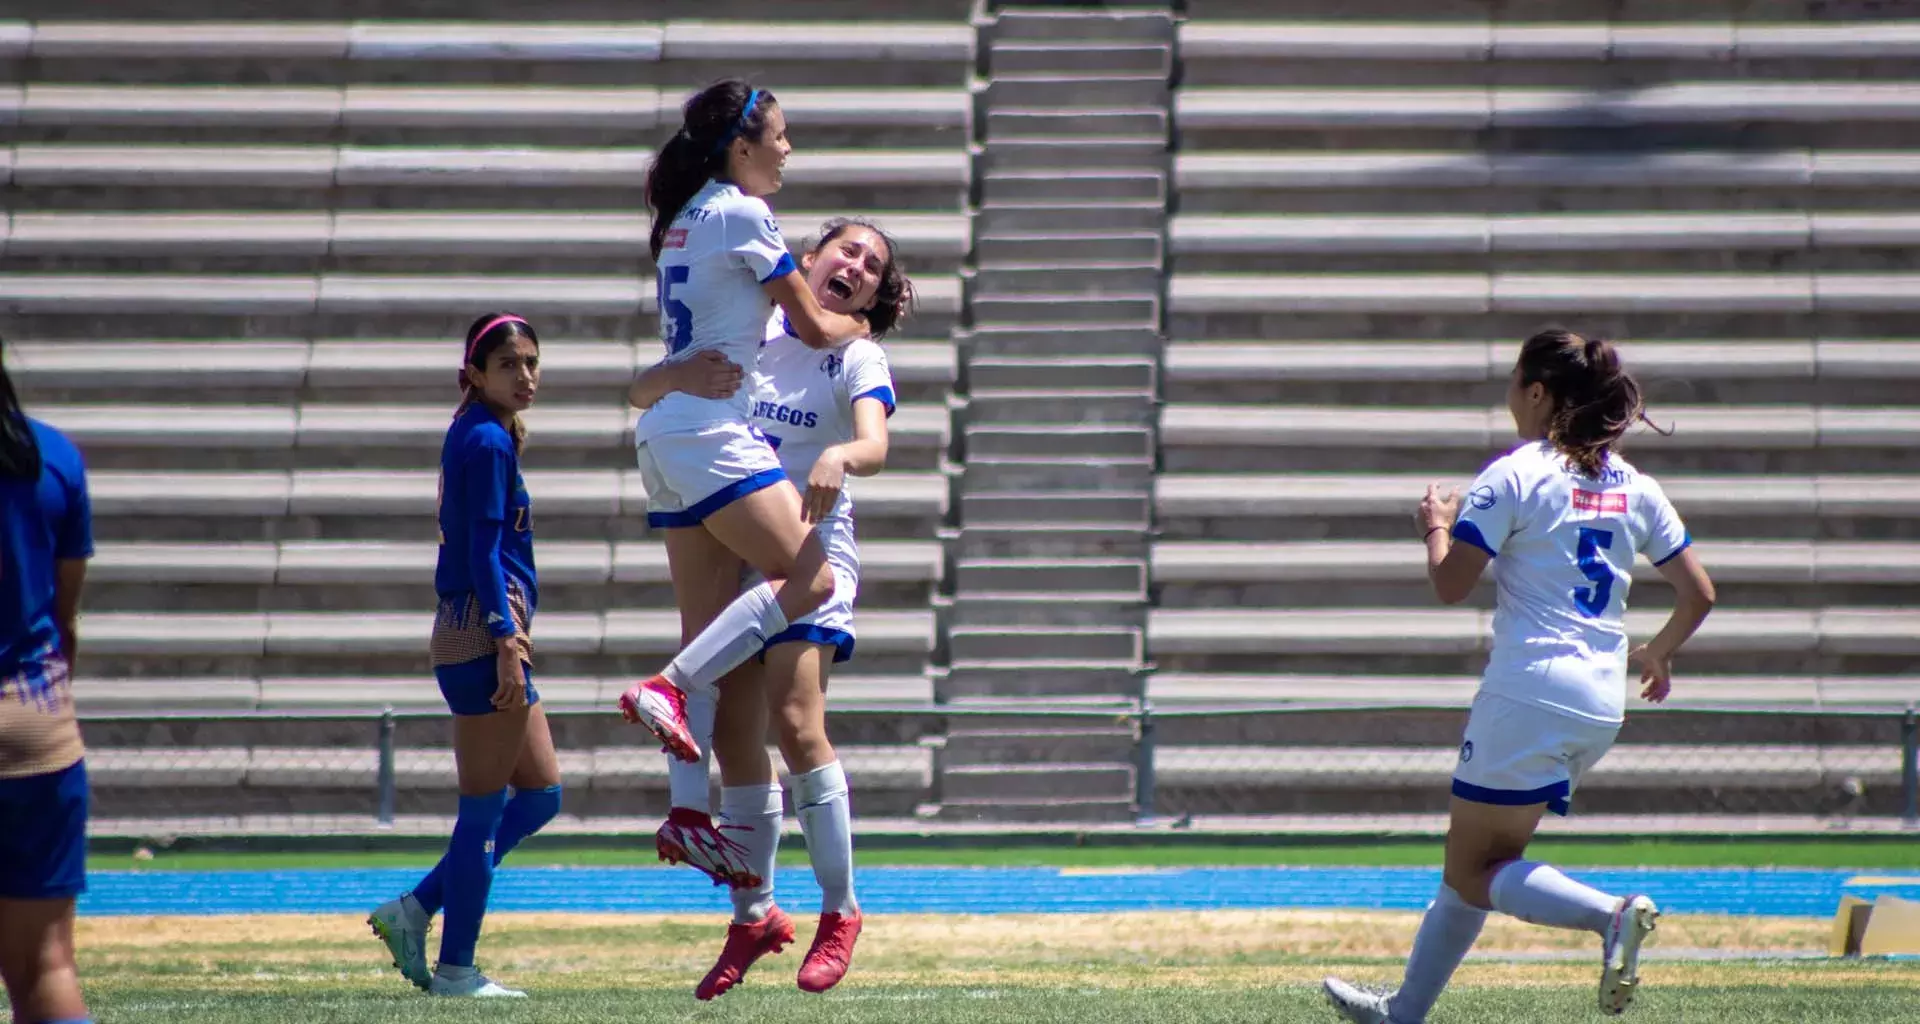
1594	566
676	320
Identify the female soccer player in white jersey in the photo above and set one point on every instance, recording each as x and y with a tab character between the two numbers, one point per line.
1560	518
713	482
826	414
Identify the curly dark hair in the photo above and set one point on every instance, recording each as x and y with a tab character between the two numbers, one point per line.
1595	400
893	302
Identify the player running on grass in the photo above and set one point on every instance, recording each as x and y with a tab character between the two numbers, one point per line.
1561	518
825	413
714	484
482	651
46	537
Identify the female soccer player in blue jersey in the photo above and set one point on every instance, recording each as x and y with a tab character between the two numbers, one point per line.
46	537
825	413
713	482
482	650
1560	518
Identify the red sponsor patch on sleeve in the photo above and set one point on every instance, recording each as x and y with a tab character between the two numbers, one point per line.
1605	502
676	239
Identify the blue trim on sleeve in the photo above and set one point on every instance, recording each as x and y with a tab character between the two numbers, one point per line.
839	639
884	394
1686	541
780	269
1468	533
716	501
1556	796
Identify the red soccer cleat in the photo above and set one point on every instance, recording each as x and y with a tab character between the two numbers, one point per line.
832	952
662	708
746	943
688	837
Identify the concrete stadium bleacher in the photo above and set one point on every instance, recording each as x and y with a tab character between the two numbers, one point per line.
236	253
236	262
1371	213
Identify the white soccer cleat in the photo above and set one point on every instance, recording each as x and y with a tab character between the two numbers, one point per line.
402	925
661	707
469	983
689	837
1620	969
1354	1003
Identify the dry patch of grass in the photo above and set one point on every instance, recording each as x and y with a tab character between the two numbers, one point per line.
1260	947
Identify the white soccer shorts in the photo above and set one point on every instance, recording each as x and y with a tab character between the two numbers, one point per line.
1517	754
692	474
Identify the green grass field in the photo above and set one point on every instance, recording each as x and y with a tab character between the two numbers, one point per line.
1865	852
1165	968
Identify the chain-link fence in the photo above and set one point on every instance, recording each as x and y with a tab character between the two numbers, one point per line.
1666	766
1286	767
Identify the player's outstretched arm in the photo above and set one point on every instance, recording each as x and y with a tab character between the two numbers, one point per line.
1453	569
865	455
70	578
705	374
812	322
1693	600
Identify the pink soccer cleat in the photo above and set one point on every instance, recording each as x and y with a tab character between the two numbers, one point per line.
832	952
662	708
689	837
746	943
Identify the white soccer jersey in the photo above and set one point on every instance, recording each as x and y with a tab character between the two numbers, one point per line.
1564	546
803	397
718	252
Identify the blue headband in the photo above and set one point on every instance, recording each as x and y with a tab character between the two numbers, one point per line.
740	127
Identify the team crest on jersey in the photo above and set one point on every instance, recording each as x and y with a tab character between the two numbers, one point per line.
676	239
1482	498
772	226
831	364
1466	752
1604	502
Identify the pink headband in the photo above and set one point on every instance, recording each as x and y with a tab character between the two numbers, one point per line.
504	318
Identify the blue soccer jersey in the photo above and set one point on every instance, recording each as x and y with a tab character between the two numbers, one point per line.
42	523
486	518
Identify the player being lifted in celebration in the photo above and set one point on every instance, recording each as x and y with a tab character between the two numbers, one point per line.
1560	518
482	650
825	413
46	537
714	484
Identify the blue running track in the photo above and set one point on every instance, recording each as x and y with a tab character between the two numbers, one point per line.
949	890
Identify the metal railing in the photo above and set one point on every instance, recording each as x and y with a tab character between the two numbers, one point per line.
1227	759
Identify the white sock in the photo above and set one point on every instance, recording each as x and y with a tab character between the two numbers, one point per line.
750	816
688	781
1539	894
1446	934
739	633
826	817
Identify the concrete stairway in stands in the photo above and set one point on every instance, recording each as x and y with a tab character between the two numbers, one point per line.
238	258
1060	364
1372	212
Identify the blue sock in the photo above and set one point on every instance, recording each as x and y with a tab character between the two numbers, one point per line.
528	812
469	875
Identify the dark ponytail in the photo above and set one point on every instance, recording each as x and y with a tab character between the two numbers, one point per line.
1595	400
710	121
488	332
893	302
19	449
